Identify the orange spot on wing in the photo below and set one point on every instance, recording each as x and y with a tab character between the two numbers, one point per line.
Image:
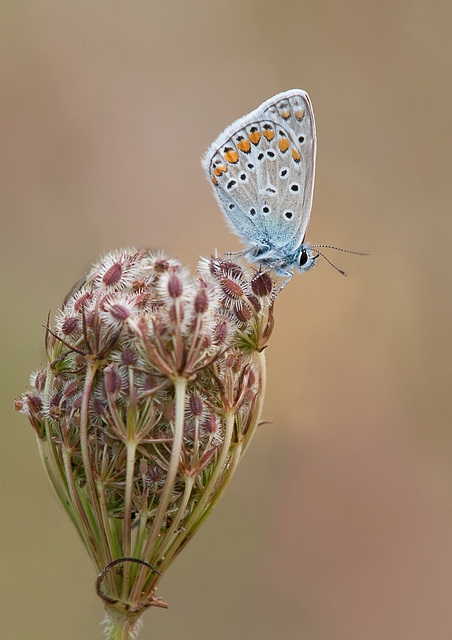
215	181
295	155
283	144
254	136
231	156
299	114
244	145
219	170
269	134
285	113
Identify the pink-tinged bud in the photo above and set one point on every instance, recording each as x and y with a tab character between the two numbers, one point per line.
70	389
34	405
128	357
255	302
119	312
230	360
221	268
201	303
210	424
231	289
242	313
175	286
262	284
70	325
113	274
234	361
195	405
169	412
233	269
221	331
82	301
31	406
39	380
112	380
150	382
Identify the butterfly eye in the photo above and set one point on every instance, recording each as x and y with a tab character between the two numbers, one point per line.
303	257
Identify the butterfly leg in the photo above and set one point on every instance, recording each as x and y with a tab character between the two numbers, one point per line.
288	275
236	254
255	250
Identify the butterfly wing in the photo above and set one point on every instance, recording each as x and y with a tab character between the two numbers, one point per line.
262	171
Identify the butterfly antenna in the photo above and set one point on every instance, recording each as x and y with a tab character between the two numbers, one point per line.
316	247
328	246
319	253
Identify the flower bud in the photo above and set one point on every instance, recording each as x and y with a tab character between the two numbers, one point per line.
70	325
112	380
195	405
262	284
113	275
201	303
242	313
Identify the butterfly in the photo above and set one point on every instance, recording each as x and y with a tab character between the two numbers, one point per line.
262	171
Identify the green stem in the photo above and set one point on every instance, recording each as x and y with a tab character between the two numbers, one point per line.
180	385
207	493
203	509
120	625
84	423
127	523
260	361
83	526
189	482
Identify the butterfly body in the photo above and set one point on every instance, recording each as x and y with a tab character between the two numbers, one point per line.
262	172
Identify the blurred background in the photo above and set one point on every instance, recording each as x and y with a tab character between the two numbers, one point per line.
338	525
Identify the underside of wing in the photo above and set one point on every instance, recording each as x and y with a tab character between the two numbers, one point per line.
262	171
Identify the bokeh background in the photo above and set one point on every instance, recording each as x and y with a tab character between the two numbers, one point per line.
338	526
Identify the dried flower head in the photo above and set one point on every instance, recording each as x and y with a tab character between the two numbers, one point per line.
152	391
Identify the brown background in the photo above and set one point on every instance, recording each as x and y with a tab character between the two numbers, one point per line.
338	525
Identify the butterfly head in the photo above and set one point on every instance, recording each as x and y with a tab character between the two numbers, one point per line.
304	259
